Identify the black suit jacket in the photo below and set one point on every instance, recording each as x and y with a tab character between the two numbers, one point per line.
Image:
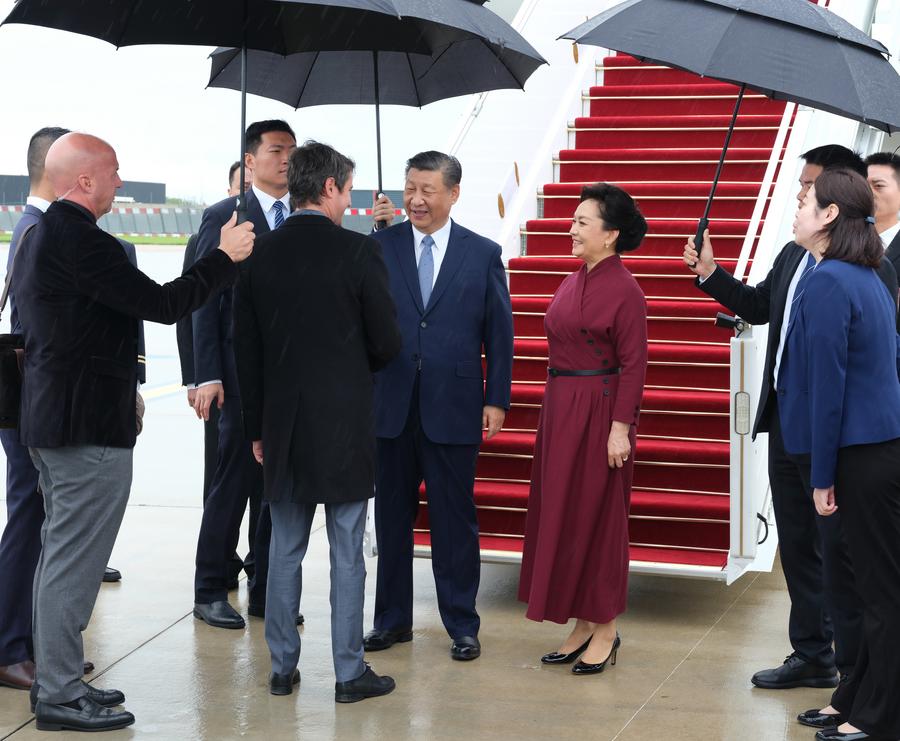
893	255
184	331
212	323
131	254
765	304
79	300
314	318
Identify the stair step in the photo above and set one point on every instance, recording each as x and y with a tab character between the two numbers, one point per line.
625	70
663	277
717	227
550	244
673	131
700	99
661	200
641	553
657	352
746	164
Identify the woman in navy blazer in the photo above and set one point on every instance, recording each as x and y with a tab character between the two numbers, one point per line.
839	402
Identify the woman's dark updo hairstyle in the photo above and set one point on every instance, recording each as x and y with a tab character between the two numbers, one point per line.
852	238
618	211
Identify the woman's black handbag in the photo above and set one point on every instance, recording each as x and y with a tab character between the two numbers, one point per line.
12	360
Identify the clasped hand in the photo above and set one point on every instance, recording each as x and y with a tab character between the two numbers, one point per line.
824	499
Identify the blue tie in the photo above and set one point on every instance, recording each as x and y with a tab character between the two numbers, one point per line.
426	269
279	213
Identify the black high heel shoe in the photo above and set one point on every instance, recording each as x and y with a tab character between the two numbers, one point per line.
557	658
582	668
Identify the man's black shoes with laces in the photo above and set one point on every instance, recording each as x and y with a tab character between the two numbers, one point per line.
796	672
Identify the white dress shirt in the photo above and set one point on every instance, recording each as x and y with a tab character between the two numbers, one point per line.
266	202
441	239
788	306
887	236
39	203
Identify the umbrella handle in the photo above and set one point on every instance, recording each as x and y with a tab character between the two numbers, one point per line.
702	226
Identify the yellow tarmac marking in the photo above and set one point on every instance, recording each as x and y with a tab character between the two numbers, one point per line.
156	393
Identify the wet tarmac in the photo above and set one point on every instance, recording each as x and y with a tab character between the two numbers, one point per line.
688	647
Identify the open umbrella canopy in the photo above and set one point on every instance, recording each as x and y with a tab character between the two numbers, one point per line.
383	75
283	26
423	27
411	79
786	49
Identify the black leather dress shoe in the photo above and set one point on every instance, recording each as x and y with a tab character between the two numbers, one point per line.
583	668
219	615
369	684
833	734
379	640
466	648
88	667
82	714
112	575
557	658
816	719
283	684
260	612
796	672
106	698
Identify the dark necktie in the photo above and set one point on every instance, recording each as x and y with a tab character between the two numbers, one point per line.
279	213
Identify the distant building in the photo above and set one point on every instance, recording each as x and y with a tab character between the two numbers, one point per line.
136	219
14	191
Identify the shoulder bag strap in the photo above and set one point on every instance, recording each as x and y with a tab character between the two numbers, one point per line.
5	295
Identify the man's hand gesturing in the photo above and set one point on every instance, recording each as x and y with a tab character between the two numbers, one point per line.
236	240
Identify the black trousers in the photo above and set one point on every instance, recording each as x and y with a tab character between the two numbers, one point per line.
815	558
237	474
210	458
20	549
449	475
867	493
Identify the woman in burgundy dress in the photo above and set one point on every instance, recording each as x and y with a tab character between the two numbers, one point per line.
575	562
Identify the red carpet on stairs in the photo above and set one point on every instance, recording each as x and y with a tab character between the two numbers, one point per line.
658	133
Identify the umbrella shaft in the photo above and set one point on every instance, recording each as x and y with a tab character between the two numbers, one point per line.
704	222
242	197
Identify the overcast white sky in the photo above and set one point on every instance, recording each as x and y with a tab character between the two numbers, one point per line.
152	105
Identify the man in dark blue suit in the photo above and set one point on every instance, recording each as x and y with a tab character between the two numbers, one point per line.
185	336
20	546
269	146
432	403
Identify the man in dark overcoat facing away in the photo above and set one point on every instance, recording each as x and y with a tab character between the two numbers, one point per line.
314	319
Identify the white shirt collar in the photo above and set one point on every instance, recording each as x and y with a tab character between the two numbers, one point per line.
887	236
39	203
266	201
441	237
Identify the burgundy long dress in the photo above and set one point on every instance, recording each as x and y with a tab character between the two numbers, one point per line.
575	562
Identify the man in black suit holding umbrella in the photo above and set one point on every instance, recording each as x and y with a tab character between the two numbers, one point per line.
269	146
884	179
824	605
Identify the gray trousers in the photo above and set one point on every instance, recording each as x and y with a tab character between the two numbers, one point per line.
85	491
291	524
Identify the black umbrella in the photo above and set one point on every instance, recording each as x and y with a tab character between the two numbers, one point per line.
282	26
470	65
786	49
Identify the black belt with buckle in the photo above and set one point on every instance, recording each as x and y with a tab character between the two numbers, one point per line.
602	372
